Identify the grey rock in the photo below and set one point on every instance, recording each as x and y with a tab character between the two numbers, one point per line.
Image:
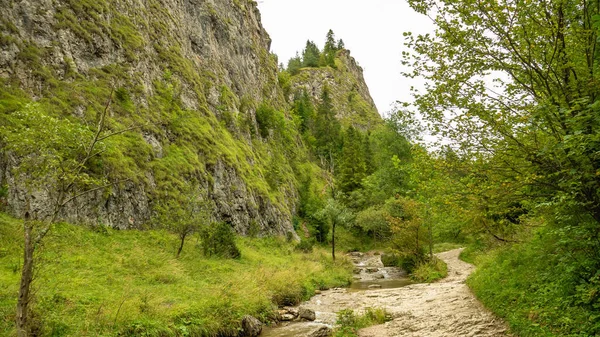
251	327
307	314
323	331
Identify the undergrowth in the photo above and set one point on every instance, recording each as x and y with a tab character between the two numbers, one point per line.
535	287
104	282
430	271
348	322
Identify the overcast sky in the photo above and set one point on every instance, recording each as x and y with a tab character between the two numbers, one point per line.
372	31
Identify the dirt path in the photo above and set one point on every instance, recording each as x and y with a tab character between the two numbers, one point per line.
446	308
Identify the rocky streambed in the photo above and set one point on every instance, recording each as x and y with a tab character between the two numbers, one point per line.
369	274
444	308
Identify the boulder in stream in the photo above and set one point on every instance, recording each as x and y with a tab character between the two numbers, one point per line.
323	331
251	327
307	314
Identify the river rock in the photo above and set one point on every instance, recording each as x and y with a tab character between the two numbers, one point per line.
251	327
357	270
307	314
372	270
287	314
323	331
374	286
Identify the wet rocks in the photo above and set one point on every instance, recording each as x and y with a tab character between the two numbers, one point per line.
251	327
375	286
287	314
307	314
323	331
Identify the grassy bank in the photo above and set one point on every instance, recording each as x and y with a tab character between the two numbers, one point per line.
128	283
534	288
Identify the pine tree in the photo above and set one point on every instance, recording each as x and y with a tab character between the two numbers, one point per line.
330	50
311	55
327	130
352	169
304	109
294	64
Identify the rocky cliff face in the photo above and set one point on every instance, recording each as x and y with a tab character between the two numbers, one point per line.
349	92
190	73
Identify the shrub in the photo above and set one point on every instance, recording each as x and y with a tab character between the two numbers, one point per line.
348	323
219	240
430	271
305	246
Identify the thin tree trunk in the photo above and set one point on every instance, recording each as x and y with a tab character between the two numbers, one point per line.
333	241
26	279
182	237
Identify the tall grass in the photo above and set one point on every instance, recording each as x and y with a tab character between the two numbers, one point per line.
106	282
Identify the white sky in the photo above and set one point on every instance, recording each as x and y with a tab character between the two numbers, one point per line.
371	30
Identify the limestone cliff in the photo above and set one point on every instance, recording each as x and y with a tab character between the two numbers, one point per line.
190	73
197	85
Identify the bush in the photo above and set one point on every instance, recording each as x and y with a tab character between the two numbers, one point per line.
390	260
348	323
430	271
305	246
219	240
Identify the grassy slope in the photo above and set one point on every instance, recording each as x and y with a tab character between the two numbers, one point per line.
527	286
104	282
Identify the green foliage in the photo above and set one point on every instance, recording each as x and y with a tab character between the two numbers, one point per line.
310	55
348	322
352	168
184	213
294	65
430	271
409	239
105	283
218	240
305	246
543	288
327	130
329	51
374	223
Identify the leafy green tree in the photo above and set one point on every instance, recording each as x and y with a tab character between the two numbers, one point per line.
335	213
409	236
311	55
54	156
184	214
513	85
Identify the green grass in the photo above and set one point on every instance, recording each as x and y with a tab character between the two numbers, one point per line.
446	246
535	288
104	282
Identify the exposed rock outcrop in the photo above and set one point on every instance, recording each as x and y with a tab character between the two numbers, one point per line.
191	73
